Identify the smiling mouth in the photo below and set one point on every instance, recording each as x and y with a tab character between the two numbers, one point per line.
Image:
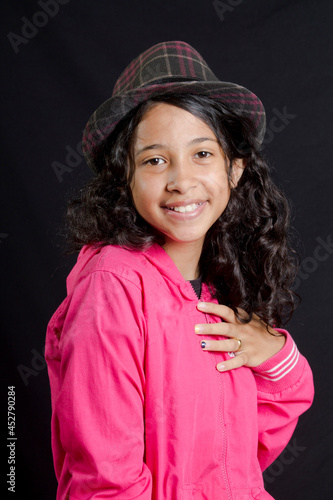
186	208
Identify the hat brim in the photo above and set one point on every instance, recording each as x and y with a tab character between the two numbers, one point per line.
103	121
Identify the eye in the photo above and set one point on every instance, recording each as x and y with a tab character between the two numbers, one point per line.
203	154
153	161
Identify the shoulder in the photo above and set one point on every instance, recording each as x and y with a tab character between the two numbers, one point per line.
112	258
118	259
109	259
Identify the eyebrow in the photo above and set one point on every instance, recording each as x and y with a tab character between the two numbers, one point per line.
197	140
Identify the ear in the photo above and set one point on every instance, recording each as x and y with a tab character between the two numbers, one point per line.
238	167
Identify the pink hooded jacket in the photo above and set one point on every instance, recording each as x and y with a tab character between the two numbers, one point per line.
139	409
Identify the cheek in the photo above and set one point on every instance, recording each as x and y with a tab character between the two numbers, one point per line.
141	193
217	184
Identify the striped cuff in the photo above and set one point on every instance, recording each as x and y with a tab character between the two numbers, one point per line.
281	370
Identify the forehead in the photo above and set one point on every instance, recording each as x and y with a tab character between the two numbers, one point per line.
169	121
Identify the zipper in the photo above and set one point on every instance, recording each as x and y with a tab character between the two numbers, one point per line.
224	440
224	449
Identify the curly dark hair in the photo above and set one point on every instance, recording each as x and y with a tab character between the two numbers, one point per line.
247	257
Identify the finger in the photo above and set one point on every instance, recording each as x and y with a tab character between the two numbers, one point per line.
220	345
218	309
231	364
225	329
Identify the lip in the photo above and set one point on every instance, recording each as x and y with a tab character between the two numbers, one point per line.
184	216
182	203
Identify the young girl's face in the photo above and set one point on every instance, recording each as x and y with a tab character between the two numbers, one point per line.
180	184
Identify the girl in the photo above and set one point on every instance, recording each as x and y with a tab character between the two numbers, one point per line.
170	375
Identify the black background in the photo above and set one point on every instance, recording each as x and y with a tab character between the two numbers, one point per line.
53	78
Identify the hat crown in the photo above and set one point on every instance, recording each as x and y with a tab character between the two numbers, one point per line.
174	61
166	68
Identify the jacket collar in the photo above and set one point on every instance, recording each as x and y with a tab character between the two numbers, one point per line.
163	262
157	256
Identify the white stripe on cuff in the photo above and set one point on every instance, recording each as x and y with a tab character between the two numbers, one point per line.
274	374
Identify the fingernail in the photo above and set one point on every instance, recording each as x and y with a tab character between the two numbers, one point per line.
220	368
202	305
198	328
203	344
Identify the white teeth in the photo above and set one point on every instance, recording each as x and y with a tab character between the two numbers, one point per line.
186	208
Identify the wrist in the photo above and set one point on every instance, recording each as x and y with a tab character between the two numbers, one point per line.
275	343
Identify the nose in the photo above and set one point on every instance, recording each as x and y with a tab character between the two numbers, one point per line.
181	177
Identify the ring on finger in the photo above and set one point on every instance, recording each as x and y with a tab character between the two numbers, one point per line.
239	343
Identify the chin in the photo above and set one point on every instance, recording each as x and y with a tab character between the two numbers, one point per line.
184	239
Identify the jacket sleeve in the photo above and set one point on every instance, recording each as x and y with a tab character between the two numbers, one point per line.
285	391
98	390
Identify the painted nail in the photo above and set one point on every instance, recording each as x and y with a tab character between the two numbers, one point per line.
202	305
198	328
203	344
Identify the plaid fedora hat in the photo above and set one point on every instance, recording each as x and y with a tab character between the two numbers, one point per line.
168	67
